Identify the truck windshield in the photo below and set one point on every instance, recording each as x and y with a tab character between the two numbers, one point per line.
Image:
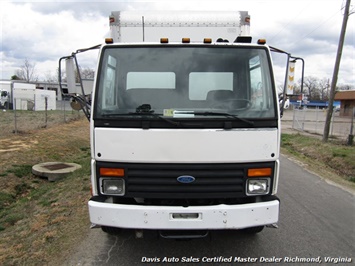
184	82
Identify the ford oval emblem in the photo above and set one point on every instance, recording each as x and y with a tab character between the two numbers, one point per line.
186	179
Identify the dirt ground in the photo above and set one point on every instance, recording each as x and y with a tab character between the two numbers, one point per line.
13	147
37	216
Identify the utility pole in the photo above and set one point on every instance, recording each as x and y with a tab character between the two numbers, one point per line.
335	72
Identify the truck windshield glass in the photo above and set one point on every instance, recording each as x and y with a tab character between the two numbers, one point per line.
181	81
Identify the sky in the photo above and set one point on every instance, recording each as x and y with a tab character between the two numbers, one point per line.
44	31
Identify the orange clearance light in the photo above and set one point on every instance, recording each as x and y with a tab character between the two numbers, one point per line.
185	40
262	41
164	40
257	172
207	40
108	40
111	172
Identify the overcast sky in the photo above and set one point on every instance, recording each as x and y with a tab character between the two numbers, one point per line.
44	31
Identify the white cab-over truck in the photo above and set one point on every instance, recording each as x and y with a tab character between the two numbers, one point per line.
14	93
185	126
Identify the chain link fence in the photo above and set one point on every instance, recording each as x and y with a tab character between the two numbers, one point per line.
313	121
25	120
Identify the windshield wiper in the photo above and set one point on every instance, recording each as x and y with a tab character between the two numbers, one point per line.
129	114
179	123
144	109
226	115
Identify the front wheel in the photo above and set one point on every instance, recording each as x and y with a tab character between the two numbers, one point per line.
111	230
253	230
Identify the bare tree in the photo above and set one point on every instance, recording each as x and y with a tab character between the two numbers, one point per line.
297	88
54	78
346	87
87	73
27	72
324	88
48	77
311	84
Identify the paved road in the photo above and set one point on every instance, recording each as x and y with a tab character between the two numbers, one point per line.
317	221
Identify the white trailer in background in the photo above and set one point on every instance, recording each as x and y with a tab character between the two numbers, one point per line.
24	96
43	98
17	95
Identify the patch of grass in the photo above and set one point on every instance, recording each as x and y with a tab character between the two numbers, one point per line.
52	211
334	155
21	170
343	152
22	188
85	149
5	199
47	202
49	217
12	218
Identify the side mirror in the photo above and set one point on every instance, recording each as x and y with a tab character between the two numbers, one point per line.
70	71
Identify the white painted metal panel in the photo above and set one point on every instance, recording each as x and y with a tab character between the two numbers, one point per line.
186	145
150	26
22	93
206	217
40	100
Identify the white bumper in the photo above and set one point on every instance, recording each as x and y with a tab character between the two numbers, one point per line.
196	217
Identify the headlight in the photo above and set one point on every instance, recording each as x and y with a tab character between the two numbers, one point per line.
258	186
115	187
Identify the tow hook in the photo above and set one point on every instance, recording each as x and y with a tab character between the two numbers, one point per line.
275	226
93	226
139	233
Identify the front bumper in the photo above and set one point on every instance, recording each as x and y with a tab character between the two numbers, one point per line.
190	218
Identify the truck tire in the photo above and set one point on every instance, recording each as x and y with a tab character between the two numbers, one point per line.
111	230
9	106
253	230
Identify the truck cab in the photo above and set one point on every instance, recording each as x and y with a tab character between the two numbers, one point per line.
184	136
3	98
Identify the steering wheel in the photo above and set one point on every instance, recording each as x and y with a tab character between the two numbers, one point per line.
233	104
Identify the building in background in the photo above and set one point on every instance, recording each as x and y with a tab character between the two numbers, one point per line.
347	102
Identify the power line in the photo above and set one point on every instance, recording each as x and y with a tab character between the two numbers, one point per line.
319	25
289	22
311	31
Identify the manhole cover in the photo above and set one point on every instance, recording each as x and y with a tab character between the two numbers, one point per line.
54	170
57	166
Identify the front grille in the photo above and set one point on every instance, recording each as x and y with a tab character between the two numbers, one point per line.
160	180
163	182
